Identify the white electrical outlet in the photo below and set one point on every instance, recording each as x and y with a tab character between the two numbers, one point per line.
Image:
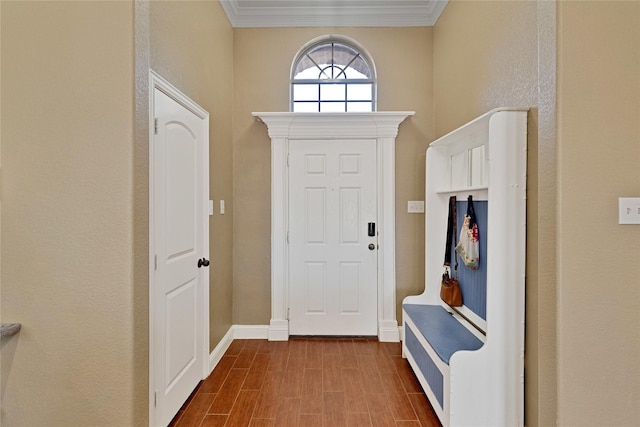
629	210
210	207
415	206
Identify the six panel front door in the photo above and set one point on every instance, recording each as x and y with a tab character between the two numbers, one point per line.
332	256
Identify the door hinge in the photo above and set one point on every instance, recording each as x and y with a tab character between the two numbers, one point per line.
155	126
287	237
155	262
287	160
155	398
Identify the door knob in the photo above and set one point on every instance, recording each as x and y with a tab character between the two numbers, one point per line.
203	262
371	246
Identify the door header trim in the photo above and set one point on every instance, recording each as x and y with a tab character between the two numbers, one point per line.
380	126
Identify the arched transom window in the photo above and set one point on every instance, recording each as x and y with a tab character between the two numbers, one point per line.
332	75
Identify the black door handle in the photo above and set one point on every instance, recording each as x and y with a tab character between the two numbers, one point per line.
203	262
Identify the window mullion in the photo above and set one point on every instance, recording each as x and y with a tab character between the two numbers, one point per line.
316	64
348	65
332	60
346	100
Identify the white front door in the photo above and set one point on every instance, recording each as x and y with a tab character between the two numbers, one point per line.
180	240
333	286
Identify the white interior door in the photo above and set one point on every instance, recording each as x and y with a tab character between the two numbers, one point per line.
333	260
180	243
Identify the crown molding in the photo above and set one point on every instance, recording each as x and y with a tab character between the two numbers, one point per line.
376	124
325	13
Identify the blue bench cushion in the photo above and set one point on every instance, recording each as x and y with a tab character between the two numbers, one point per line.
429	370
444	333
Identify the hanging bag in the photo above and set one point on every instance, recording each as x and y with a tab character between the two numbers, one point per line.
469	245
450	288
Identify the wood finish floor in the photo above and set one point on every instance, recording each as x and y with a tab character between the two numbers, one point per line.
308	382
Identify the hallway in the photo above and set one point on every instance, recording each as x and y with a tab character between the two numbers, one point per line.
309	382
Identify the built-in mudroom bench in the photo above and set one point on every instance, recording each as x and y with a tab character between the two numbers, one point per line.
470	359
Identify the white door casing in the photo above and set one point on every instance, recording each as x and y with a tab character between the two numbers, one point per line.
333	271
179	230
381	126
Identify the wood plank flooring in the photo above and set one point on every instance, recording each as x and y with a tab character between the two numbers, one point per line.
308	382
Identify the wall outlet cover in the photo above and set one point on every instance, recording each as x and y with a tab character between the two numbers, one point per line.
415	206
629	210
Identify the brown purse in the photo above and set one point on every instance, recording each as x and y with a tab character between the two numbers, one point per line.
450	291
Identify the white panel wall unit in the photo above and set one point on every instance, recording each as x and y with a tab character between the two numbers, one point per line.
475	375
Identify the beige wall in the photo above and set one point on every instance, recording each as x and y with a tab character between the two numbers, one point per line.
582	345
72	174
262	63
67	254
74	162
500	53
191	45
598	161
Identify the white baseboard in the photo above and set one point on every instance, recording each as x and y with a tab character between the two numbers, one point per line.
278	330
236	332
250	332
388	331
218	351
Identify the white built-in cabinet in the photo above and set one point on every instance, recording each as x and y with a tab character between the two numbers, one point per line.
485	158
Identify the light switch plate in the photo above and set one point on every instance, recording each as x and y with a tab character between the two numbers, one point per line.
415	206
629	210
221	207
210	207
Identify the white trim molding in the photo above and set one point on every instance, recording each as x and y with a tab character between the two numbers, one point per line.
382	126
250	332
221	348
236	332
307	13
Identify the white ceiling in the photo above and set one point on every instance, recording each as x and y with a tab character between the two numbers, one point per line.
333	13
